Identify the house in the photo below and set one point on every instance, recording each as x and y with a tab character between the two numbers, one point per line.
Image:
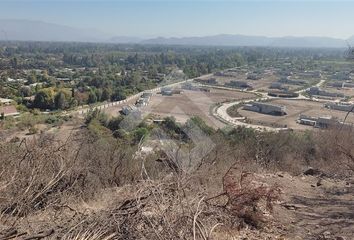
9	110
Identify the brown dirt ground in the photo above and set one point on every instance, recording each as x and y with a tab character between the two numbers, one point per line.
192	103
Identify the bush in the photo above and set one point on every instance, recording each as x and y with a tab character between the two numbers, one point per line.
32	130
52	119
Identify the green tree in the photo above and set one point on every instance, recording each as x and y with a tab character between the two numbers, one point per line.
60	101
44	99
106	94
25	91
92	97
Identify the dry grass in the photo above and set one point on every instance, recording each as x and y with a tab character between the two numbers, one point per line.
90	187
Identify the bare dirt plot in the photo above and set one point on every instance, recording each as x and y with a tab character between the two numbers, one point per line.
294	108
193	103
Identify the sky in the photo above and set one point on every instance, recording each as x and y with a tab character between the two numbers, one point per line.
172	18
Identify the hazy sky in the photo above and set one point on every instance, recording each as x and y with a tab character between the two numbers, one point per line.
192	18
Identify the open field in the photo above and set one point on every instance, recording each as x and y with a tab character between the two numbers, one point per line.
294	108
192	103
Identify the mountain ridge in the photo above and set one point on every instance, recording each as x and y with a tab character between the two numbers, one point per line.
32	30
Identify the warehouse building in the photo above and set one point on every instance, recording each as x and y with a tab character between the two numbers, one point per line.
318	122
346	107
319	92
266	108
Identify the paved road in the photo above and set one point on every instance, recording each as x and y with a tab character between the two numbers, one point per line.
84	109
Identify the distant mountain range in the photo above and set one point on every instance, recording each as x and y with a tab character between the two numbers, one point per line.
241	40
26	30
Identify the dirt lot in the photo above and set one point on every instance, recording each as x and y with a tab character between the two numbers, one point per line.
294	108
192	103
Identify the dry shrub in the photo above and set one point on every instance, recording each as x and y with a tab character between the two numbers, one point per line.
34	174
249	197
334	151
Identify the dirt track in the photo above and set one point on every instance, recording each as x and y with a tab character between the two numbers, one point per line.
316	207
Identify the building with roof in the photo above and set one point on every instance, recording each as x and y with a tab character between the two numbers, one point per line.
318	122
126	110
319	92
346	107
266	108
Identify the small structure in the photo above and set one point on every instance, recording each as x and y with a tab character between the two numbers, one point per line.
166	91
266	108
126	110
